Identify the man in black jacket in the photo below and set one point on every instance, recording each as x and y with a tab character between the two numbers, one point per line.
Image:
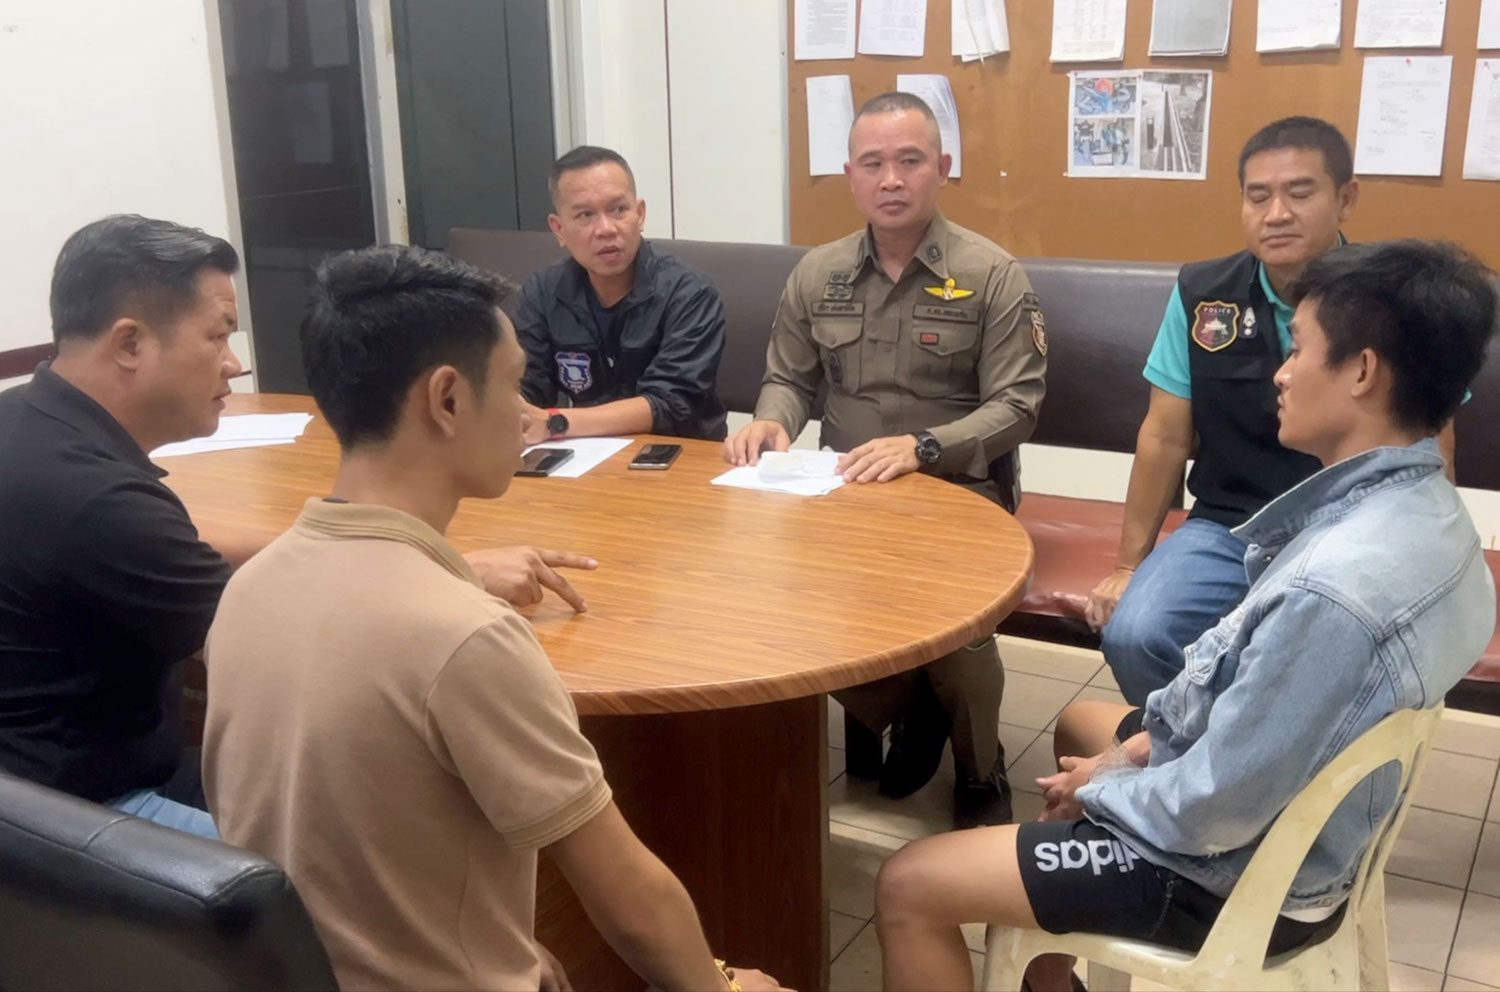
630	337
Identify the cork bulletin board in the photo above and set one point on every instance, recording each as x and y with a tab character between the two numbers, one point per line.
1013	114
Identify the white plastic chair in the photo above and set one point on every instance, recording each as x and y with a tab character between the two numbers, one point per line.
1233	955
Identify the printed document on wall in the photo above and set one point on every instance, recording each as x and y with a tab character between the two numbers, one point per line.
1489	24
979	29
1088	30
1298	25
824	29
1403	115
892	27
1482	149
1190	27
830	114
938	92
1400	23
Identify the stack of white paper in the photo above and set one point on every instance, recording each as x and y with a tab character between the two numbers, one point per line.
824	29
1298	25
893	27
801	473
1190	27
979	29
1489	24
1088	30
1482	152
255	430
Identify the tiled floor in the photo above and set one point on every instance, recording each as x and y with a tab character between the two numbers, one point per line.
1442	883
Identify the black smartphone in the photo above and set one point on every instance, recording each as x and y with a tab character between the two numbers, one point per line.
657	456
544	461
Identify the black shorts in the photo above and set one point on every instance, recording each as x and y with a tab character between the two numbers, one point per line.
1081	878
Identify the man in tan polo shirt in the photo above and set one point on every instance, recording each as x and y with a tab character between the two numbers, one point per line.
933	350
389	732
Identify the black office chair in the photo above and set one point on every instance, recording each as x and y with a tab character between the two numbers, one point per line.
91	898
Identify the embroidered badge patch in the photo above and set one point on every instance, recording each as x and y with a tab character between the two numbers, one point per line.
948	291
1216	324
1039	332
574	371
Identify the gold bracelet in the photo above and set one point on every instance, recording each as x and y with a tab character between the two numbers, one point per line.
734	985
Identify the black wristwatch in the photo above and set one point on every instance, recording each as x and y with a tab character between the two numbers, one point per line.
929	448
557	423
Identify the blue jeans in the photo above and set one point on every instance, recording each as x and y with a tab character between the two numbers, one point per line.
151	805
1184	587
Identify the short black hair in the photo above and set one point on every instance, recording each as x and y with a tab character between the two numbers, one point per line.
890	103
583	157
127	259
1427	308
1309	134
379	318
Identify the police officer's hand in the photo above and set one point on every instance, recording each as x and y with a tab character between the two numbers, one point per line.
745	446
519	575
881	460
1106	596
534	426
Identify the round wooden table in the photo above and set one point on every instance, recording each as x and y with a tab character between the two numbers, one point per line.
718	619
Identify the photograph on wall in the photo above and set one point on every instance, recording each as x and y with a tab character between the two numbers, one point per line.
1174	124
1102	124
1132	123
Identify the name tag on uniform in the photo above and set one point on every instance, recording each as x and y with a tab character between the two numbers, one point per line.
933	311
826	308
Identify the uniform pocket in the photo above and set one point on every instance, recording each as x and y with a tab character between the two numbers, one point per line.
1235	367
838	339
943	360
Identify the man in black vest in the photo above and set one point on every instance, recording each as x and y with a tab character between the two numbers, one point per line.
1224	335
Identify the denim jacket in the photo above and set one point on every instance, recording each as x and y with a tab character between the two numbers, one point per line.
1369	593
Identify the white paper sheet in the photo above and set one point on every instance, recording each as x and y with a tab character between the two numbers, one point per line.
830	114
893	27
1482	148
1400	23
938	92
824	29
1088	30
1190	27
1489	24
198	446
253	430
588	453
801	473
1403	115
1298	25
980	29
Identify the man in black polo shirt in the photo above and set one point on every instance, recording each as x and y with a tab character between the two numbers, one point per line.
1225	333
629	336
105	585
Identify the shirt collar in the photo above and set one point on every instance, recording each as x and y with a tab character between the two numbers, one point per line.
59	399
932	252
371	521
1336	489
1283	310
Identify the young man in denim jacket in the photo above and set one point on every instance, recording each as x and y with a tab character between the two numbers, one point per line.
1369	593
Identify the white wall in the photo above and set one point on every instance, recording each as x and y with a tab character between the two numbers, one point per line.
728	104
693	94
105	107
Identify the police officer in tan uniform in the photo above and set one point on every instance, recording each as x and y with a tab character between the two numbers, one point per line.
933	349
